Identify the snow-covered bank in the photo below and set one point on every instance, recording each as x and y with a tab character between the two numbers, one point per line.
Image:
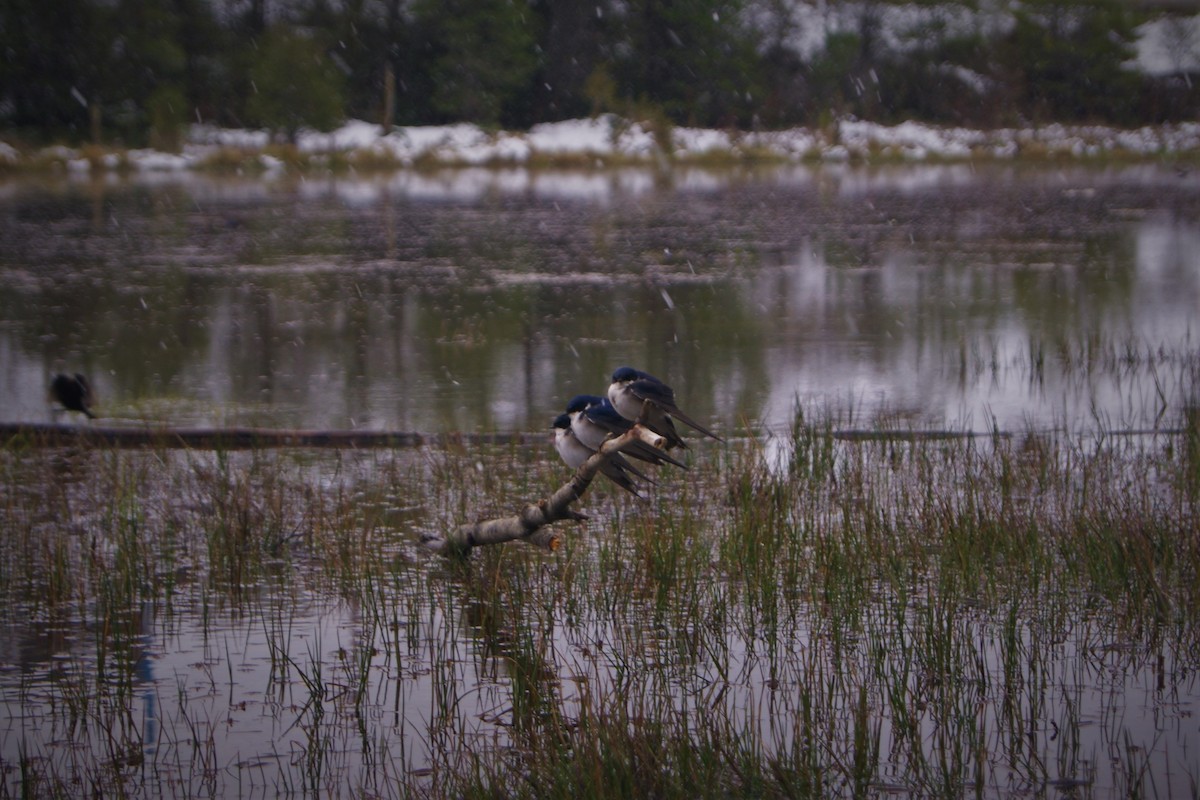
608	139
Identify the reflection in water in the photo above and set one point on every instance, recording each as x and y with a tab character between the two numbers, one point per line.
263	342
480	300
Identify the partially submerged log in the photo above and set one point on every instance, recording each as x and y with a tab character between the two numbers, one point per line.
43	435
530	523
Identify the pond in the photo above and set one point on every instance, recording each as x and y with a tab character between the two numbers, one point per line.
478	300
914	616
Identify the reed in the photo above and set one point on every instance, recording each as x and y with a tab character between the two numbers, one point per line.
801	615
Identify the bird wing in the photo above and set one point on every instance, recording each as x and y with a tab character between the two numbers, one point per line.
656	392
604	415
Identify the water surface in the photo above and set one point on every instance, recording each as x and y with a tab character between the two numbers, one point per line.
147	649
479	300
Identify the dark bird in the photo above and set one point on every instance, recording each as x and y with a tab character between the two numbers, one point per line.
574	452
73	393
633	392
593	419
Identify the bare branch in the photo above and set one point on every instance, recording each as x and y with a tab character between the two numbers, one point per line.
530	522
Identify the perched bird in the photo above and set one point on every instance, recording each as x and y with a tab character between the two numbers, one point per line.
633	391
74	393
574	453
593	419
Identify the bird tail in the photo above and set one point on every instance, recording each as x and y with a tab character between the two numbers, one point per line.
691	423
620	477
651	454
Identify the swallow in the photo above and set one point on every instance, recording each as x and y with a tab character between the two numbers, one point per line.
633	391
593	419
574	452
74	393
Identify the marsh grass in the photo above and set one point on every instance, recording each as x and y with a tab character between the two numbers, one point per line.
800	615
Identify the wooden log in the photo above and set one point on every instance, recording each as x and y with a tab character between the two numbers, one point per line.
43	435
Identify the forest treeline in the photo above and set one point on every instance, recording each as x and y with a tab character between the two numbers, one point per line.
138	71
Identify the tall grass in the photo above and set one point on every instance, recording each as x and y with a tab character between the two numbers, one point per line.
798	616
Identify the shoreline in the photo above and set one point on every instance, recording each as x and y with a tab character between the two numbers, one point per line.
607	141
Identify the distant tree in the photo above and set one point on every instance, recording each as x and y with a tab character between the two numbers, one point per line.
943	72
248	17
139	70
786	96
131	69
836	78
855	60
479	56
1175	95
694	59
246	25
294	84
396	43
206	69
366	37
145	70
1181	41
1067	60
53	59
576	47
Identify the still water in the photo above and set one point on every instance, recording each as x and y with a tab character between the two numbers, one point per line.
963	296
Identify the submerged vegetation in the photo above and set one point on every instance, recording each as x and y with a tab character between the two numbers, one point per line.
800	614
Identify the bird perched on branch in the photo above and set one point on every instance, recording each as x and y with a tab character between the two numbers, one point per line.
593	419
641	397
574	452
73	393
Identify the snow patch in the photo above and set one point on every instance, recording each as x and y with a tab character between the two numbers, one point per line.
153	160
608	138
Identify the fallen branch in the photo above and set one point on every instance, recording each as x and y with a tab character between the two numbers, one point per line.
529	525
